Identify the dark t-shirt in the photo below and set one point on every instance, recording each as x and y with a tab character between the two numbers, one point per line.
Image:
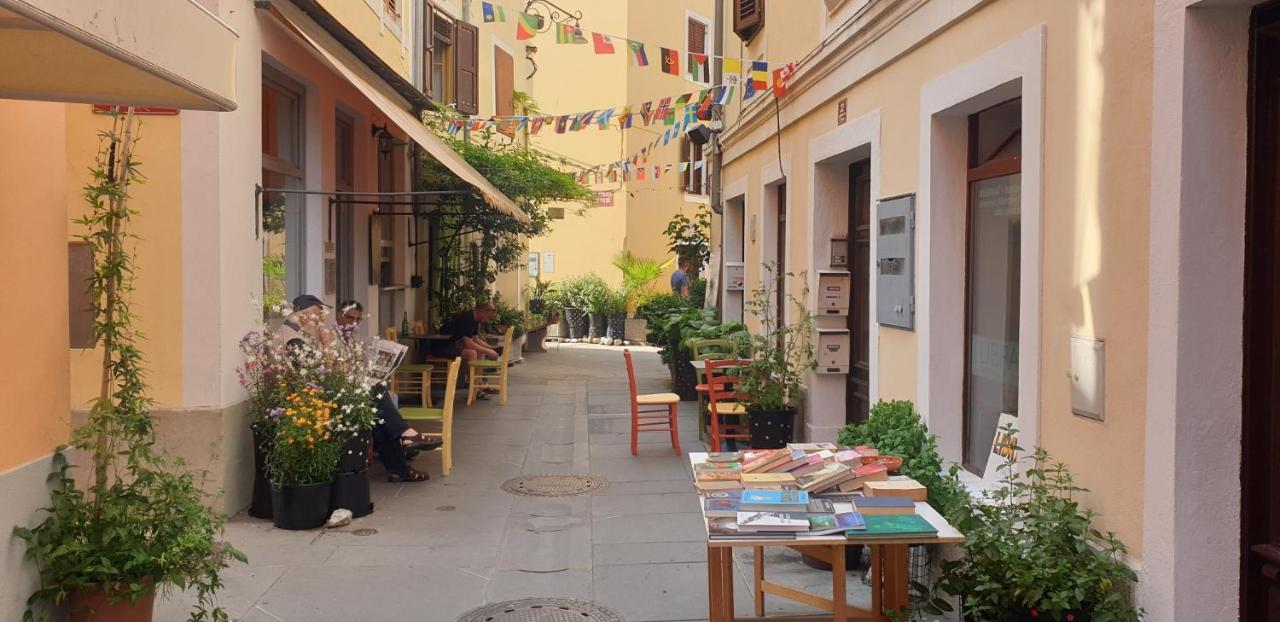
460	325
679	280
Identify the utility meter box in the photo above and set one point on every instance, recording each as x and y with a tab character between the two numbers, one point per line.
895	229
832	351
833	292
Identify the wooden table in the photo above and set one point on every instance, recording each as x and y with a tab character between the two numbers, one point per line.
420	352
890	587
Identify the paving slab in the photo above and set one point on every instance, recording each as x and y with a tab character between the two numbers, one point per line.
649	528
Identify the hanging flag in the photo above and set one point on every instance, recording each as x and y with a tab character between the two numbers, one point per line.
758	80
568	33
699	70
666	137
726	95
522	123
639	174
624	120
606	115
637	53
660	111
536	124
781	77
657	172
684	166
493	13
478	124
732	66
527	26
603	44
670	61
681	103
562	123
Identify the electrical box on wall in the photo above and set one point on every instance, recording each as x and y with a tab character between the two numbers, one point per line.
1088	374
833	292
895	228
839	252
735	276
833	351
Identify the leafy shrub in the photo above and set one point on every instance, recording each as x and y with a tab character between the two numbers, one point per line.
698	292
895	428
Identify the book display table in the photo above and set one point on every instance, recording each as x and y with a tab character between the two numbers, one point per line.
889	570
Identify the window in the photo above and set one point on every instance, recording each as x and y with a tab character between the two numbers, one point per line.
442	59
993	276
694	178
340	242
748	18
451	60
80	308
504	85
283	213
697	38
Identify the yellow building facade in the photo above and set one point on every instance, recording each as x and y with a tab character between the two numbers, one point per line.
1008	185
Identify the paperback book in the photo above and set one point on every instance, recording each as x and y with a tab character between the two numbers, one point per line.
906	525
775	500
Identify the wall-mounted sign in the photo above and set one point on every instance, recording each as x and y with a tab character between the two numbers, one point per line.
604	198
842	111
109	108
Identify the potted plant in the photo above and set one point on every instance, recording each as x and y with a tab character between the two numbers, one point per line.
597	301
537	295
139	524
782	358
303	457
1031	553
576	292
614	309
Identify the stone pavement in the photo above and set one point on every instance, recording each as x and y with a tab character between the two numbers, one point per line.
442	547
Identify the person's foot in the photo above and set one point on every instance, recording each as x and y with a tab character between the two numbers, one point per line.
418	443
408	477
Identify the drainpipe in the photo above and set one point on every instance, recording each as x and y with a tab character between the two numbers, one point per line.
713	161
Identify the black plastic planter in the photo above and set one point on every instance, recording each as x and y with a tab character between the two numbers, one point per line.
537	305
260	507
299	507
355	454
576	319
351	491
617	326
684	380
771	429
598	325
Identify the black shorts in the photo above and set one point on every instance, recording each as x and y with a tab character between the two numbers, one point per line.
447	349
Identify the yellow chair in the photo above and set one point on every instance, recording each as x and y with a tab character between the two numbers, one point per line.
484	373
389	333
443	416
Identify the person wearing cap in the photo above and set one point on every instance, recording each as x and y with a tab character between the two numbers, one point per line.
393	437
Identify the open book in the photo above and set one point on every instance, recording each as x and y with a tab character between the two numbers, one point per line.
385	356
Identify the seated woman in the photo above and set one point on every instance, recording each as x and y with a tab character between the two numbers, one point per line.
393	438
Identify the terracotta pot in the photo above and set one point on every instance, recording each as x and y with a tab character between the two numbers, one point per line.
893	463
95	606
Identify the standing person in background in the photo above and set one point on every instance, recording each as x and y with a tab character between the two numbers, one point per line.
680	279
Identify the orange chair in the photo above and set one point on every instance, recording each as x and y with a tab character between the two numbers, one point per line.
724	400
652	419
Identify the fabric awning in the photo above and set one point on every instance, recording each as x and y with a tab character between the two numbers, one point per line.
342	61
171	54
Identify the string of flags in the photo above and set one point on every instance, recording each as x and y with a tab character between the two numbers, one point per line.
636	167
696	66
665	112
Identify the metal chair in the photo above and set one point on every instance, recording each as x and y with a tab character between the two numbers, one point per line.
651	420
443	416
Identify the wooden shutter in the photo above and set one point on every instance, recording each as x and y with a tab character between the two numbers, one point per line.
697	36
504	82
428	47
748	18
467	43
686	178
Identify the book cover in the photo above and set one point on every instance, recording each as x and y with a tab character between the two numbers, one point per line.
884	506
720	507
812	446
900	525
821	506
727	529
709	467
826	477
863	474
736	495
761	460
767	480
776	500
850	457
827	524
772	521
723	456
718	485
719	476
905	487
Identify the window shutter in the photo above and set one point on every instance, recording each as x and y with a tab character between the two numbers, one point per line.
686	178
467	43
504	81
748	18
697	37
428	47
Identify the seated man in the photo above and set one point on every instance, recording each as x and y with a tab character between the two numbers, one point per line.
463	330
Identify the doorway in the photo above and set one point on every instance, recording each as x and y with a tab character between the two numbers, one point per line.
857	393
1260	461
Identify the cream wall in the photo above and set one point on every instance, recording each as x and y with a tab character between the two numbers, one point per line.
1096	149
392	41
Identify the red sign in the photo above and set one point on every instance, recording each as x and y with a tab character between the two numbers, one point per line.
110	108
604	197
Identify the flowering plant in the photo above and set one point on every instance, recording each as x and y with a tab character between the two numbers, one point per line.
306	449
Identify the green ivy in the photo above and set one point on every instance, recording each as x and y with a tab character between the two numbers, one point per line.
141	523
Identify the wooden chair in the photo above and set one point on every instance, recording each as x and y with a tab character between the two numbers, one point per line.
389	333
484	373
443	416
663	410
411	378
708	350
724	400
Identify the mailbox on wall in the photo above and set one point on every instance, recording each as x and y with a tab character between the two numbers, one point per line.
832	351
735	276
895	261
833	292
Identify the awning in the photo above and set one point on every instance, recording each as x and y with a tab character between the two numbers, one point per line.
342	61
165	54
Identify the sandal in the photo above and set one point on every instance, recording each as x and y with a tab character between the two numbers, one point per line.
417	443
409	477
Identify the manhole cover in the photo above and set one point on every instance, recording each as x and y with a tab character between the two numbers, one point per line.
364	532
541	610
567	485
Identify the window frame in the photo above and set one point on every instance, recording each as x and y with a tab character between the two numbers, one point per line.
687	150
749	26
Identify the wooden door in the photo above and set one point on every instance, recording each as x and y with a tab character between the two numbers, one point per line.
1260	472
857	393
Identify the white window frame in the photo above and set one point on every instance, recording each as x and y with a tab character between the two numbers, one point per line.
706	43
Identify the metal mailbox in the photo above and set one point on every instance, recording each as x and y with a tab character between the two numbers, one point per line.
832	351
895	261
735	276
833	292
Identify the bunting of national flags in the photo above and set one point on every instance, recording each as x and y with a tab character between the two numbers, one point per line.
693	65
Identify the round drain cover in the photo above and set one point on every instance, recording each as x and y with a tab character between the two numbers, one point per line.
541	610
560	485
364	532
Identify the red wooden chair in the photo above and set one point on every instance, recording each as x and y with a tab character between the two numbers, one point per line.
724	400
662	410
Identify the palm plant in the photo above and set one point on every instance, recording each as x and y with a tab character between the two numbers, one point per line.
638	272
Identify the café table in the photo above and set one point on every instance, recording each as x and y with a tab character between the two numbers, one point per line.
421	344
890	580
